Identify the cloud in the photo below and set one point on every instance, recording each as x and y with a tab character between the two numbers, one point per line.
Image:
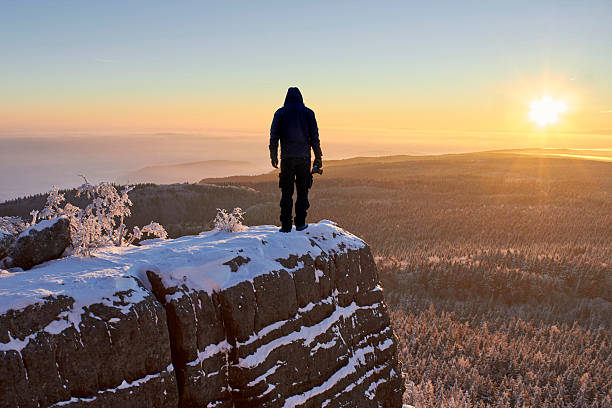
107	60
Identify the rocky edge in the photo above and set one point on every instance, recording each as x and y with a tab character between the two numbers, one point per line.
255	318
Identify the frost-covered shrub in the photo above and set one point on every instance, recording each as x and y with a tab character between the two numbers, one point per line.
229	222
101	223
152	228
12	225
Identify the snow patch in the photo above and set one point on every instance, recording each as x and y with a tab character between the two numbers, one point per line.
44	224
388	343
122	386
197	261
351	367
210	351
306	334
16	344
264	376
371	391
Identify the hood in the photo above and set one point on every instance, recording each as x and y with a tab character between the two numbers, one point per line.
293	96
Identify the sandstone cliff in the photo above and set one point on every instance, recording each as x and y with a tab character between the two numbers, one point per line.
255	318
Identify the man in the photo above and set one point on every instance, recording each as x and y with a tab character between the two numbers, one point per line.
295	126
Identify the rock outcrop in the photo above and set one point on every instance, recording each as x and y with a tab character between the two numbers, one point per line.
109	359
249	319
42	242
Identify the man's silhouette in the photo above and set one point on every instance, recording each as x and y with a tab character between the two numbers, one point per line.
295	126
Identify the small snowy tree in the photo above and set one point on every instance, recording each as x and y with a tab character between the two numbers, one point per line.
100	223
52	207
229	222
152	228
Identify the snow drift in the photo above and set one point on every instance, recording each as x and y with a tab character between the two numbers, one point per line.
254	318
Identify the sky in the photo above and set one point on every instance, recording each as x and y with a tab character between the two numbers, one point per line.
427	76
158	65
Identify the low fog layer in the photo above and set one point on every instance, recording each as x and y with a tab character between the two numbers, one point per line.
31	165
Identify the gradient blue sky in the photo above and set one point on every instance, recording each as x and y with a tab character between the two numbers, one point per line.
152	65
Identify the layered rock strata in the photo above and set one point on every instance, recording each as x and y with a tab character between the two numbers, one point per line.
247	319
117	355
314	334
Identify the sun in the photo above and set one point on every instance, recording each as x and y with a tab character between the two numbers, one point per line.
546	110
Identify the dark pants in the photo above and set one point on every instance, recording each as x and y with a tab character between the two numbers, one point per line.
294	171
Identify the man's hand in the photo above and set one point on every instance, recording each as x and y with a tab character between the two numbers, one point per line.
318	163
274	161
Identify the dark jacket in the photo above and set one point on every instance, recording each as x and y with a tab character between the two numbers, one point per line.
295	126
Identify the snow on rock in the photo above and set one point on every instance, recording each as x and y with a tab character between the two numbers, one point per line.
41	225
39	243
252	318
200	261
270	319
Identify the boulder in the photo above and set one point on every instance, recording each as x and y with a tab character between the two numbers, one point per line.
42	242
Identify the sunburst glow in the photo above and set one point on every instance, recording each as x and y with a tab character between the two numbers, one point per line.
546	110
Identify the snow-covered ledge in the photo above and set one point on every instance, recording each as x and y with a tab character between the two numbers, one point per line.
252	318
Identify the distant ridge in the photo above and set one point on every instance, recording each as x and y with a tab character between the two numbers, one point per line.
188	172
346	166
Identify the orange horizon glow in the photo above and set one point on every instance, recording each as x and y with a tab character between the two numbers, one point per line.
462	74
492	109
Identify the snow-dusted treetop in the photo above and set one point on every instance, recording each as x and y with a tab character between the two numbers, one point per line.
198	261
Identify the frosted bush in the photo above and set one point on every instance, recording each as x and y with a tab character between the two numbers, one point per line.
12	225
100	223
152	228
52	207
229	222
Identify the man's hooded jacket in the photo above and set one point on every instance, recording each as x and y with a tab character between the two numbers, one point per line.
295	126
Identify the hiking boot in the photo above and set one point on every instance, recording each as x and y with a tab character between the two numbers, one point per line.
301	227
285	229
